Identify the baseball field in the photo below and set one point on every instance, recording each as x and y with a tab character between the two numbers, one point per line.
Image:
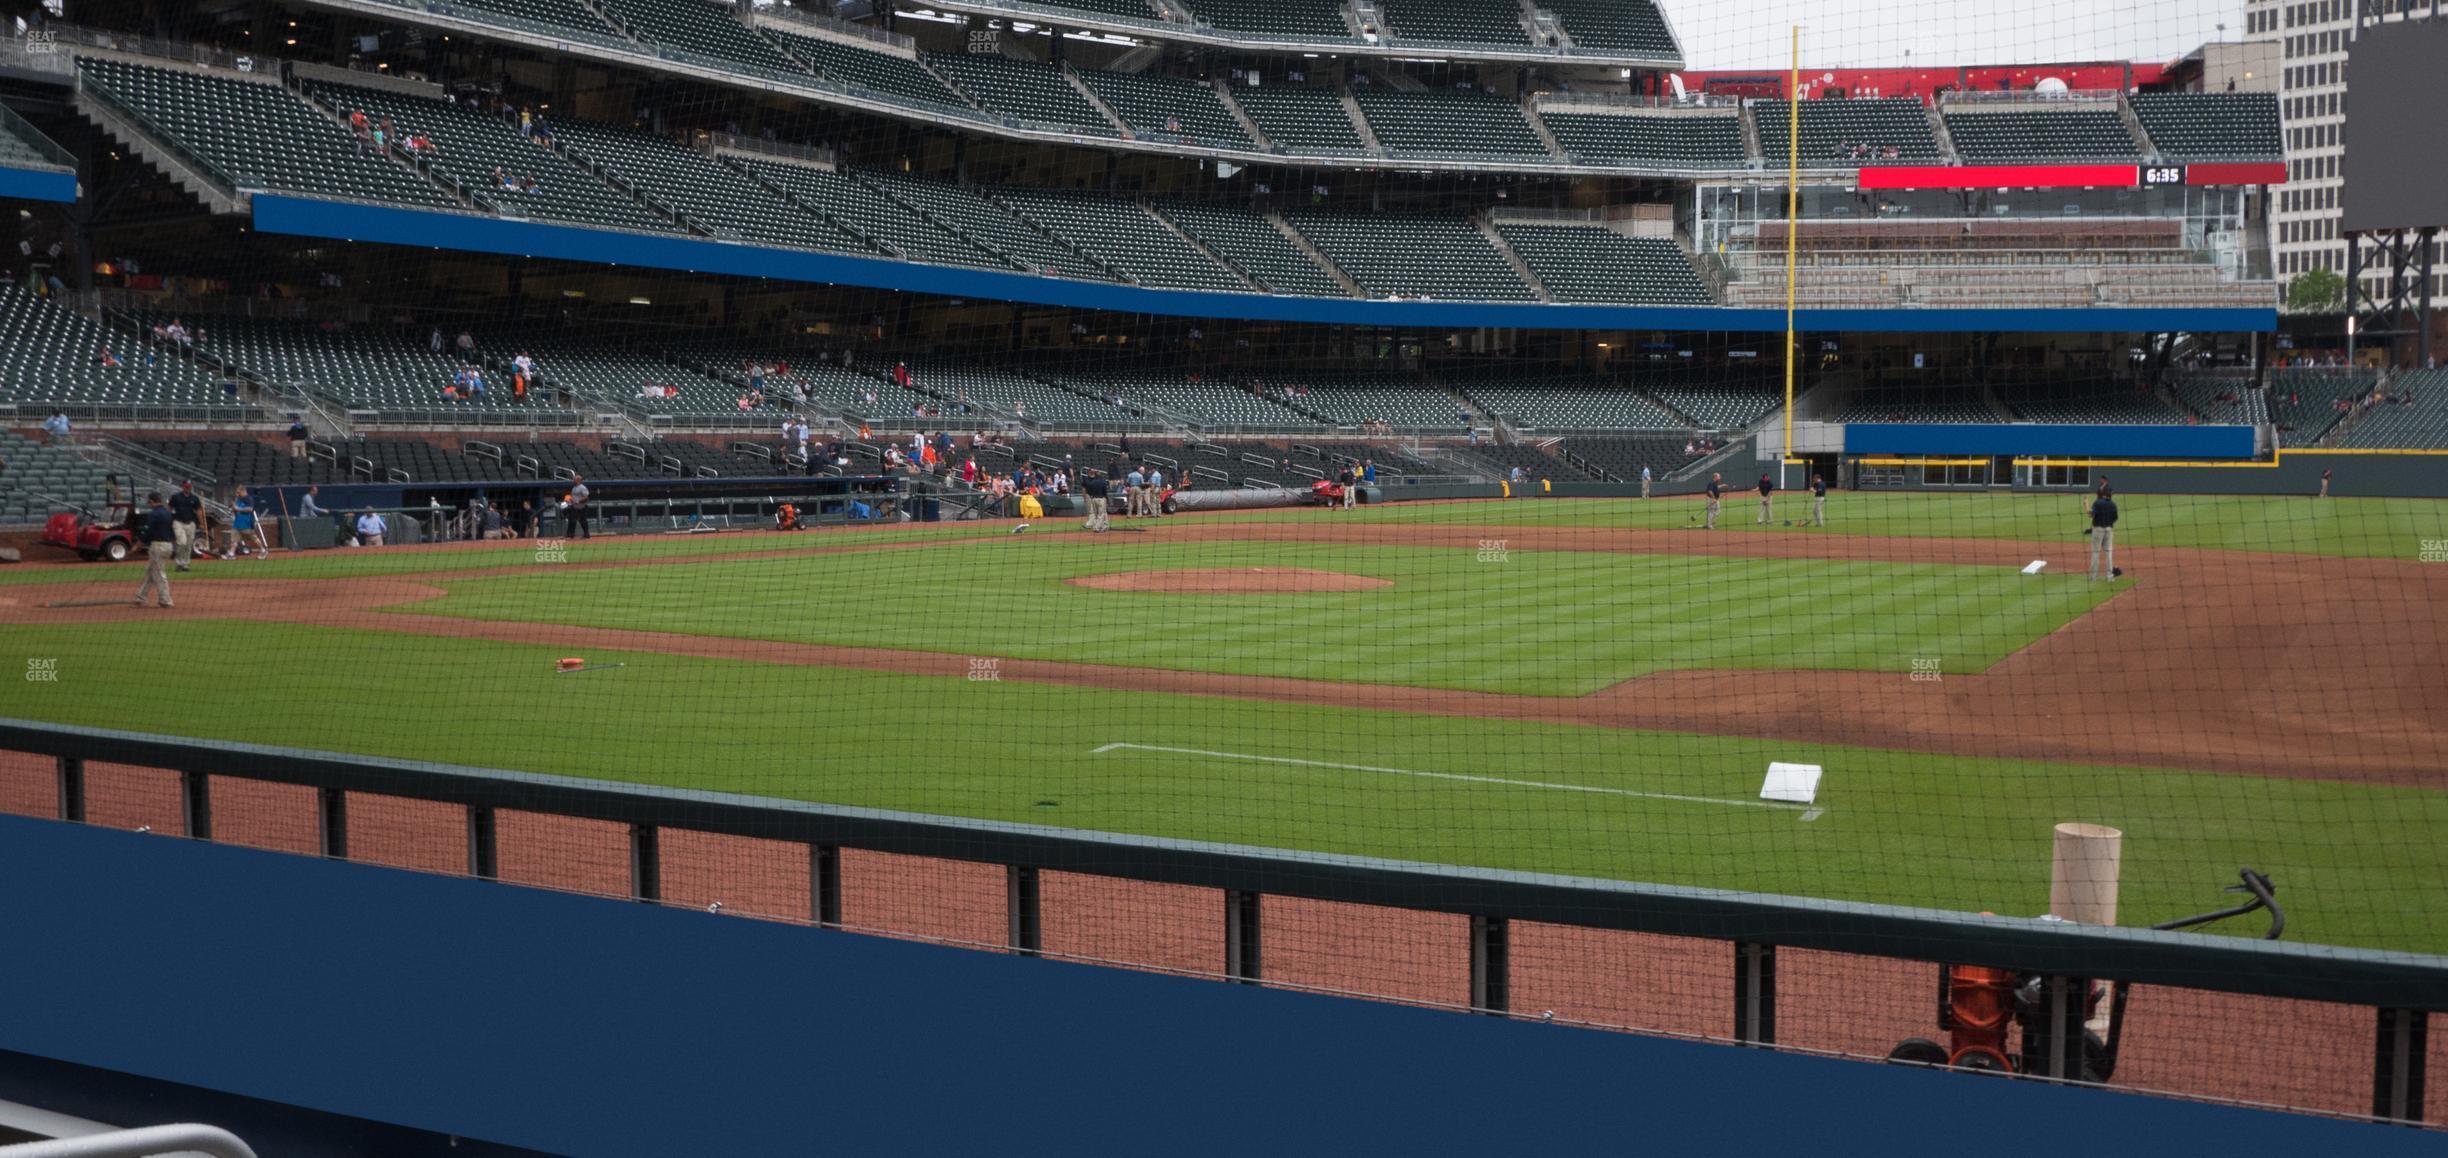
1589	687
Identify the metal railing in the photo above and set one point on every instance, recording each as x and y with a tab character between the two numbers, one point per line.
2403	988
1579	101
2027	96
820	26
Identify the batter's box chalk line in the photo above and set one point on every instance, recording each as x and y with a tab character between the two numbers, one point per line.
1808	812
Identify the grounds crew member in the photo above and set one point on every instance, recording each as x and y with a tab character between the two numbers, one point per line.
1155	491
1818	500
1095	486
2103	535
1716	493
159	530
185	512
1135	499
1767	487
1644	482
1344	479
2324	483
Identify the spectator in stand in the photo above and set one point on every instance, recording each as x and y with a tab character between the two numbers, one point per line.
298	434
55	428
106	359
467	346
434	341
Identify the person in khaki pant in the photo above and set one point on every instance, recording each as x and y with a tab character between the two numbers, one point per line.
2103	536
186	518
160	538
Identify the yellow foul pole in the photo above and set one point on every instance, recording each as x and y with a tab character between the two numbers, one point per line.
1793	209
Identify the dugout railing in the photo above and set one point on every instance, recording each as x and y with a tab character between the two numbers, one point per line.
2397	991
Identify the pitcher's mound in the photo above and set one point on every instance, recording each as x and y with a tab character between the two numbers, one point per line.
1231	581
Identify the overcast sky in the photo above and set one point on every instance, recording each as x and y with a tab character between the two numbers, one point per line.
1894	33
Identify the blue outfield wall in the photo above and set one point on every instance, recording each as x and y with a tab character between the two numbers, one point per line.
38	185
600	1027
2035	439
469	232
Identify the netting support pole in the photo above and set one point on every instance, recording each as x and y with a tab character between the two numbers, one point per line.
72	789
331	809
1754	993
646	863
195	800
1241	939
2397	1065
484	850
824	885
1026	935
2053	1045
1491	964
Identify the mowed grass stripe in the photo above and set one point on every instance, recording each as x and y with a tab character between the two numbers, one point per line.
2354	528
2359	864
1541	623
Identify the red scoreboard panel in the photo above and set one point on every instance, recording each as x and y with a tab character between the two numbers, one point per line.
2067	176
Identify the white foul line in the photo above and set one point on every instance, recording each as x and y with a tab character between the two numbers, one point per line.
1808	812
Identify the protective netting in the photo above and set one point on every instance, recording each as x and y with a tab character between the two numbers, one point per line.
1187	442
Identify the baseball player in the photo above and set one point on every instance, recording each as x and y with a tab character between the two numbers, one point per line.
2103	535
1716	493
1818	500
1767	488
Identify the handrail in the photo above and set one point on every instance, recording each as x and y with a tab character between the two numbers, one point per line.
2385	978
181	1137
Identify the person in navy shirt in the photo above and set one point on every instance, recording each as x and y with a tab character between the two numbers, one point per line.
2103	535
160	534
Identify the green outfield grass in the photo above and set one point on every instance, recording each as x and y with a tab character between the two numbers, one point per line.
1531	622
2359	865
2358	528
